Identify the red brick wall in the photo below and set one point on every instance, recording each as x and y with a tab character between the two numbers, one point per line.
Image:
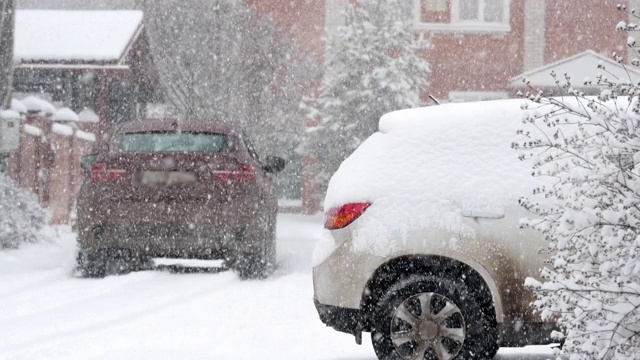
476	61
49	165
575	26
302	19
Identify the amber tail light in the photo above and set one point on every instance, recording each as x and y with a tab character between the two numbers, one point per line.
341	216
100	172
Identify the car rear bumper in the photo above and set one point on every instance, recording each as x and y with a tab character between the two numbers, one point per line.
517	334
342	319
171	228
174	240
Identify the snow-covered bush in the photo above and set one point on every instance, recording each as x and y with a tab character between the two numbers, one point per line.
21	217
590	147
374	66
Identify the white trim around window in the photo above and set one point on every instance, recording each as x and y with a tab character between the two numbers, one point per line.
465	96
458	25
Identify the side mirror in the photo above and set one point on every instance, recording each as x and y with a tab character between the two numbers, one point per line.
86	162
273	164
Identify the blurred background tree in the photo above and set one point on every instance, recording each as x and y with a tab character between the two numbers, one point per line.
217	60
7	20
374	66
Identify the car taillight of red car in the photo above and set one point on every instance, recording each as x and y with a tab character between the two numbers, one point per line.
341	216
100	173
239	174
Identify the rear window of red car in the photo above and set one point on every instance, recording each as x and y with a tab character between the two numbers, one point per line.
170	142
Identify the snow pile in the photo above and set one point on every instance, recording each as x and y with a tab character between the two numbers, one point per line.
64	130
64	114
33	104
48	108
426	166
22	217
86	135
32	130
88	115
18	106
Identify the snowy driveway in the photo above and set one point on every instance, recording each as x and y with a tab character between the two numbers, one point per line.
47	314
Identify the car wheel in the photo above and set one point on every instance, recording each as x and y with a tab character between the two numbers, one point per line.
261	264
90	264
433	318
100	263
253	266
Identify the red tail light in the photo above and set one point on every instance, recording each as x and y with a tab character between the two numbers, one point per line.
241	174
339	217
100	172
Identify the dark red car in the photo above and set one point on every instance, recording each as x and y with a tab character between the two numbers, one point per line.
169	188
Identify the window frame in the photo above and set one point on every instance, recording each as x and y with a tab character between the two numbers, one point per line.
458	25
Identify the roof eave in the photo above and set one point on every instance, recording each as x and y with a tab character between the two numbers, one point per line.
71	65
132	41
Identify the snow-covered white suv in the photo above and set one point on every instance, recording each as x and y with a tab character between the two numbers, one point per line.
423	247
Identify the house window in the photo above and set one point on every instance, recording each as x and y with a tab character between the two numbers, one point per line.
462	15
484	11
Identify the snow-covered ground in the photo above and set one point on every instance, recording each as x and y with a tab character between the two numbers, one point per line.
47	314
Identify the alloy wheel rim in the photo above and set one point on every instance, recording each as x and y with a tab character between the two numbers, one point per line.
427	326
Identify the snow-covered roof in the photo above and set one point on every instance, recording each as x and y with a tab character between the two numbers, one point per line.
62	35
579	67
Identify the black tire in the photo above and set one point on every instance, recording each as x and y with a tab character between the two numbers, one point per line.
254	266
90	264
100	263
478	321
259	265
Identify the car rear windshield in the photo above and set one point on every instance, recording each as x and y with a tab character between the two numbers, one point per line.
170	142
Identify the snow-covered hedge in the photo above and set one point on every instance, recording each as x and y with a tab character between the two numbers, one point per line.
590	148
21	217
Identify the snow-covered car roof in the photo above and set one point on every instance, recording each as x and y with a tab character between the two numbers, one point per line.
73	35
460	153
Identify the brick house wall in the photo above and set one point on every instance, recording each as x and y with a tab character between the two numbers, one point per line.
573	27
475	60
303	20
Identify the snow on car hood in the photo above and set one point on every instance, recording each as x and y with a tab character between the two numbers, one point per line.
426	166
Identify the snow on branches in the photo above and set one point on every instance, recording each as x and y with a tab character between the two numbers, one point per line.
374	65
22	217
589	149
